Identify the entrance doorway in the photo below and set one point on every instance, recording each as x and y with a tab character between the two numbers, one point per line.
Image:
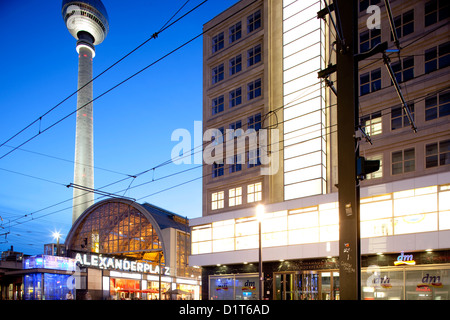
306	285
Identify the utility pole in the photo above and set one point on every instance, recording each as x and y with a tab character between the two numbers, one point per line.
348	152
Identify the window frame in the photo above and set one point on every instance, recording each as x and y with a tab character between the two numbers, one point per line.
254	89
217	74
235	32
254	21
217	42
402	163
217	200
404	117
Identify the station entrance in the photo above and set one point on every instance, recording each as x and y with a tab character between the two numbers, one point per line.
306	285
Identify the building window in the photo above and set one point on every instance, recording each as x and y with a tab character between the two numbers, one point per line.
217	42
437	106
235	97
236	164
254	21
404	69
364	4
217	105
369	39
217	200
254	122
436	10
253	158
233	127
370	81
254	192
399	118
235	65
371	124
403	161
254	55
254	89
404	24
217	170
235	32
235	197
437	57
437	154
379	172
217	74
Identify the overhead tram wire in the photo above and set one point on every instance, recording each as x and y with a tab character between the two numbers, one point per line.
70	161
170	175
130	77
167	162
153	36
375	60
188	154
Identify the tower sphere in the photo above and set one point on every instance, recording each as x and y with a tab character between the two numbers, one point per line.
86	20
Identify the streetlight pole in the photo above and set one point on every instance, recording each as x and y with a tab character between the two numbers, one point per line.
56	235
259	216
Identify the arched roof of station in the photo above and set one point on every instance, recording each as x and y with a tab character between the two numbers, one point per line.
123	227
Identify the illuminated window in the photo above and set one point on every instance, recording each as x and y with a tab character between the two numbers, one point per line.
403	161
235	197
235	32
437	154
254	192
254	21
379	172
371	124
217	200
217	42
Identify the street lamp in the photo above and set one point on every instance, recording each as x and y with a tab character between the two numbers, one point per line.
260	217
56	235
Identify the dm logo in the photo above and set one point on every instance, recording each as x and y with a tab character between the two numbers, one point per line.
405	259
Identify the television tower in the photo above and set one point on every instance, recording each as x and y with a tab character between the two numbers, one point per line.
87	21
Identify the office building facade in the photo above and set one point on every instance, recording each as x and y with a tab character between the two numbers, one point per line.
261	60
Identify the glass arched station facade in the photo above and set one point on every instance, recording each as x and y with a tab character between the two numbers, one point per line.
126	250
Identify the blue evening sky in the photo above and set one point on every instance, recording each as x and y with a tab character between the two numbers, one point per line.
132	124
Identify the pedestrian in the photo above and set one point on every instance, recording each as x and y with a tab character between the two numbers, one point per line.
69	295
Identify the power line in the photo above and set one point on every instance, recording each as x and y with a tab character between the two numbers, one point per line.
130	77
154	36
66	160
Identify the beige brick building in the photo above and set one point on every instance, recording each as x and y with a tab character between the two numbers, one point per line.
261	59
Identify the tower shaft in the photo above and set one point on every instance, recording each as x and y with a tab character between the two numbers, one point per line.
84	138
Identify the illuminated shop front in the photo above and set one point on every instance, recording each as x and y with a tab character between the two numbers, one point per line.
300	245
47	277
125	250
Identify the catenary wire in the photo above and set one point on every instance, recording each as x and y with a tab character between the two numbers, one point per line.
154	36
